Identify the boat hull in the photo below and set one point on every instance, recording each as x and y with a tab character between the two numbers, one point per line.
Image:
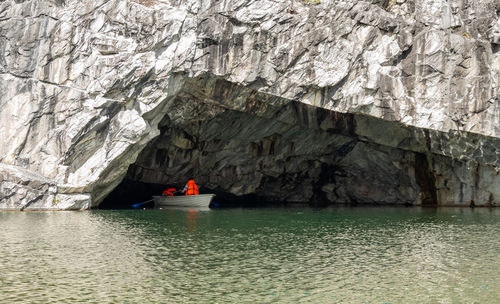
187	201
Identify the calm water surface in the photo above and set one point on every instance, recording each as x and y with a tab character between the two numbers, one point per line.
361	255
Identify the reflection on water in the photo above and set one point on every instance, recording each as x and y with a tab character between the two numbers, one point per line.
191	217
362	255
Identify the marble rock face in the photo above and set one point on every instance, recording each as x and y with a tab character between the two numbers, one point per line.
319	102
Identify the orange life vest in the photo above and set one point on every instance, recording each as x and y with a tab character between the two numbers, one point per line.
192	188
169	192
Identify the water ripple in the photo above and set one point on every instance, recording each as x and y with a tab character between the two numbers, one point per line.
364	255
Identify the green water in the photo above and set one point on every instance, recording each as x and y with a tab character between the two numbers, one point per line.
359	255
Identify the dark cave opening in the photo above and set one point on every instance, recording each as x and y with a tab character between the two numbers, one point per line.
130	192
274	152
246	160
250	161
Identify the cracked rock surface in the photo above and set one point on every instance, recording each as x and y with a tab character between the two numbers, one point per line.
371	101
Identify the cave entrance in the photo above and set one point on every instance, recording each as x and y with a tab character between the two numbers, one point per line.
259	150
130	192
245	159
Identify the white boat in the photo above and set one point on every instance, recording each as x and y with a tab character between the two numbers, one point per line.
186	201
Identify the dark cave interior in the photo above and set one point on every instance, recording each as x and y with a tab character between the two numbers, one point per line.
130	192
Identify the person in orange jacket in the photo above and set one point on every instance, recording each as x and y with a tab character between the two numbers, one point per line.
191	188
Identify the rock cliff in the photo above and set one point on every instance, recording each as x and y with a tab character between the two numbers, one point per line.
377	101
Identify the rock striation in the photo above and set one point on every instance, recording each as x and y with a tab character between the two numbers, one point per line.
377	101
